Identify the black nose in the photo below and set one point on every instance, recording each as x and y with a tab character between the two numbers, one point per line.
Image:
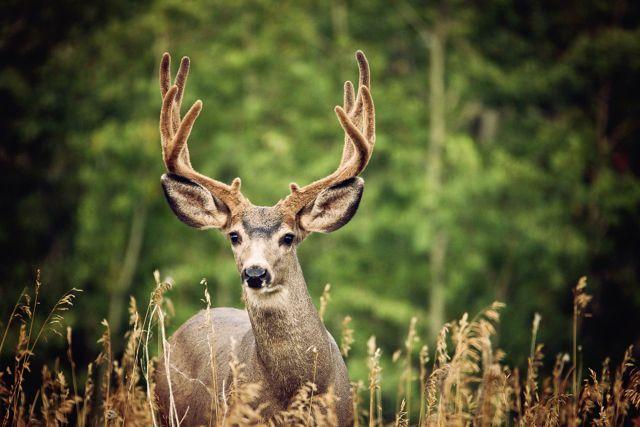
255	276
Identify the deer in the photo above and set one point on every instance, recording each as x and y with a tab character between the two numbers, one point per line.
279	338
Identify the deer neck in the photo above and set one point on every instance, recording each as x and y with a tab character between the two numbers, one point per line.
291	340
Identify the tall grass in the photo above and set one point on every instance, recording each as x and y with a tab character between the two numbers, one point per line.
464	381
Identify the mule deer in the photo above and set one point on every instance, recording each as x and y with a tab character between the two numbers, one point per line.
280	337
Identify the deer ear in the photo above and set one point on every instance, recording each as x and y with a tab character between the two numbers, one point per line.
333	207
193	204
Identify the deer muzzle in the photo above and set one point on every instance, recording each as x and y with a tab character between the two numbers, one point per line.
256	277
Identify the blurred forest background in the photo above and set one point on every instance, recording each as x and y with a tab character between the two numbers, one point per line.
507	162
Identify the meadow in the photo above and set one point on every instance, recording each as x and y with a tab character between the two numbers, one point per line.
506	166
461	381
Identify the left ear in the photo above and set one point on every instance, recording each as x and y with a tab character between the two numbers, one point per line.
333	208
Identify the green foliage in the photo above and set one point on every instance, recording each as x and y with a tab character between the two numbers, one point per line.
540	170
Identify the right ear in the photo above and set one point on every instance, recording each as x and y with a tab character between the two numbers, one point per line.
193	204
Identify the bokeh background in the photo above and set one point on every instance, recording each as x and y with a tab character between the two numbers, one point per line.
507	162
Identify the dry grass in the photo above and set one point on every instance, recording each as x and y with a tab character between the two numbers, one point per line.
465	382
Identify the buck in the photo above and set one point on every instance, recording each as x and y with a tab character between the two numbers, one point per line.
280	337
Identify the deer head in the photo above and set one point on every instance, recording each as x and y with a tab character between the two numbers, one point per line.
264	239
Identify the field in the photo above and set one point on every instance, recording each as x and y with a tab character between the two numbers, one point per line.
462	381
506	166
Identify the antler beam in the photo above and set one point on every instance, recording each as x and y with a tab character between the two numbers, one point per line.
357	118
174	133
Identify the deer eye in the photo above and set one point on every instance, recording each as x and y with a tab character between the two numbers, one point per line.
235	238
287	239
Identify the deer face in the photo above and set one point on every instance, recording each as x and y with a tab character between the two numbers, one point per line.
264	248
264	239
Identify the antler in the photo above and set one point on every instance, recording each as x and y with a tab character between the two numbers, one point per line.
357	116
174	133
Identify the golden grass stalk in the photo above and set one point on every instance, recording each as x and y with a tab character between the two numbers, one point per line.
580	301
212	356
88	394
374	377
356	386
12	316
105	359
468	383
402	416
424	360
346	337
158	312
324	300
72	363
412	338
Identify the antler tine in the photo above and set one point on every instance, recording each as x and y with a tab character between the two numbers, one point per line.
349	99
181	81
165	83
166	129
362	148
165	74
349	96
174	133
364	79
180	137
358	145
369	116
353	104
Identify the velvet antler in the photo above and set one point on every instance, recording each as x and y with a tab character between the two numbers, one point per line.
175	131
357	118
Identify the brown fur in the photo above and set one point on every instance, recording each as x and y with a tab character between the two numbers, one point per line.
280	338
275	336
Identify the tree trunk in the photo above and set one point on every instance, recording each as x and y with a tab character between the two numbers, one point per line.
438	133
339	23
129	266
